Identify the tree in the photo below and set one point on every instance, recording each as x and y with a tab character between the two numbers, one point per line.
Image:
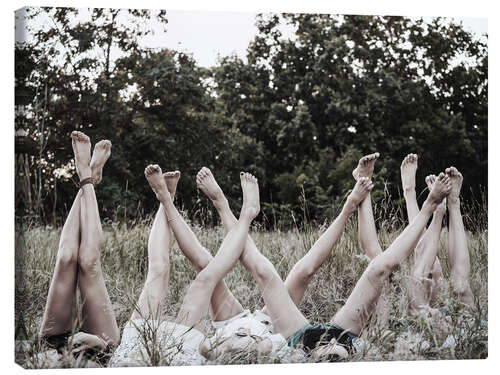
344	86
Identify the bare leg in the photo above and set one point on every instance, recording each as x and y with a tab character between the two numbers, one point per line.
196	301
437	282
223	304
422	283
458	253
57	317
155	289
99	318
286	318
366	222
367	233
302	272
354	315
408	171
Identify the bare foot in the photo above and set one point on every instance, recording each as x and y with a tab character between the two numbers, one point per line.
251	200
205	181
440	189
456	179
102	150
81	149
171	180
365	166
408	171
157	182
429	180
363	186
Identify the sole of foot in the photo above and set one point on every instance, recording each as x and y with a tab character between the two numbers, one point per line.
365	166
205	181
81	148
408	171
102	151
156	181
171	180
251	199
456	179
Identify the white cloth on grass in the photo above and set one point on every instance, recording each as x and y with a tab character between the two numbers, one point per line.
147	342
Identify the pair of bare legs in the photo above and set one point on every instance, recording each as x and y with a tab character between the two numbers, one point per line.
282	298
197	299
426	272
78	260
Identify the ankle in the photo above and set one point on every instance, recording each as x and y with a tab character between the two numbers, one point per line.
84	173
453	202
221	203
409	191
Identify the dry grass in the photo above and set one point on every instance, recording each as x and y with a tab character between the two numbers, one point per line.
124	261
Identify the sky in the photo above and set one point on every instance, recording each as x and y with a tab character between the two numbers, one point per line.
209	34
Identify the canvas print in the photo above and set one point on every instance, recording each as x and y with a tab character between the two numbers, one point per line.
200	188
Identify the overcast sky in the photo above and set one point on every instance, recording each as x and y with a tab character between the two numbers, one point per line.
208	34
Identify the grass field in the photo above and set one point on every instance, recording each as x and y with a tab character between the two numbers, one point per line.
124	260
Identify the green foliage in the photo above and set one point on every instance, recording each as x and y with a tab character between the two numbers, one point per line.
298	113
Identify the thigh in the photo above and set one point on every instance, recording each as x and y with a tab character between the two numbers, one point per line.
285	316
98	315
358	308
57	316
223	304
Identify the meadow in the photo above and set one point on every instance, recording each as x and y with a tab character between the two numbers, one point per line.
124	262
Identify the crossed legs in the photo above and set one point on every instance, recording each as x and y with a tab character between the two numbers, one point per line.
355	313
286	318
282	298
79	256
197	299
424	290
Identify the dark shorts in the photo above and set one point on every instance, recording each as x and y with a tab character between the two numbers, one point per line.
312	336
60	342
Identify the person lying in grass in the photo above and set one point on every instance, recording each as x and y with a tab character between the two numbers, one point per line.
426	273
148	340
281	315
78	259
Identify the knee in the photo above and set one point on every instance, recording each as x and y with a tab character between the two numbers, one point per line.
265	272
203	259
204	279
67	256
89	258
378	269
461	289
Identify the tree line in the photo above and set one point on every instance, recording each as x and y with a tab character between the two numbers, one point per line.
298	111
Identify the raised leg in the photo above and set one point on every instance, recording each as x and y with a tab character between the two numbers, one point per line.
286	318
98	315
458	253
155	288
408	172
223	304
302	272
57	317
424	278
196	301
354	315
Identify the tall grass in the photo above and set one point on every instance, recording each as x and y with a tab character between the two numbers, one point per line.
124	262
